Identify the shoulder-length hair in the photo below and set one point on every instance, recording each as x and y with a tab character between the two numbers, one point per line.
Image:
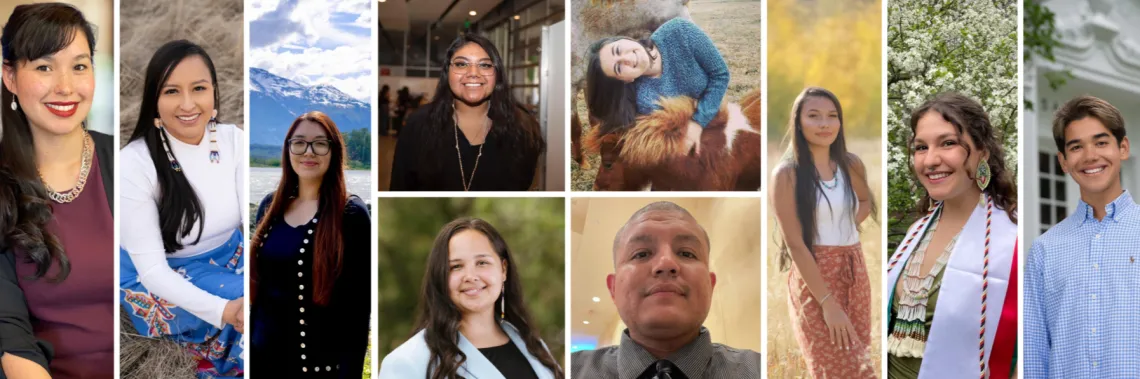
328	245
33	31
807	185
969	118
439	317
514	128
178	206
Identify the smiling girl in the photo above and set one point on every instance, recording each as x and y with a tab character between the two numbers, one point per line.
956	267
821	196
56	201
183	185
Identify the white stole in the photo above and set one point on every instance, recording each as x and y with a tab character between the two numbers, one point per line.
952	343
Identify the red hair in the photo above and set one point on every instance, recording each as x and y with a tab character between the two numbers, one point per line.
328	246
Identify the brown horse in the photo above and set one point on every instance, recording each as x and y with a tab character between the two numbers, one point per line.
650	155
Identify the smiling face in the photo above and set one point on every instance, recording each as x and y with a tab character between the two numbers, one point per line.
624	60
472	74
662	286
1092	156
476	273
55	91
940	158
186	100
819	120
313	142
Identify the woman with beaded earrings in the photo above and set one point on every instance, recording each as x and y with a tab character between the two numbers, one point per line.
181	261
953	280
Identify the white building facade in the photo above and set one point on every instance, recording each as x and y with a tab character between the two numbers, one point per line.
1100	47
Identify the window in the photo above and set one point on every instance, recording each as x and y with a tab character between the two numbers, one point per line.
1051	186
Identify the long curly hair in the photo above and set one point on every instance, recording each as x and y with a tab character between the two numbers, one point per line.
33	31
439	317
969	118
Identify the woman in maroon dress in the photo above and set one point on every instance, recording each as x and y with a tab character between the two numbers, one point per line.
56	229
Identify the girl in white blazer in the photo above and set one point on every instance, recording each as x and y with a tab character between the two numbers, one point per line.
472	321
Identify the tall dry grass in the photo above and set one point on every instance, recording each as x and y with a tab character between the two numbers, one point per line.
784	357
216	25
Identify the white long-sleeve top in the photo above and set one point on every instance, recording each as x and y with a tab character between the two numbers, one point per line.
221	192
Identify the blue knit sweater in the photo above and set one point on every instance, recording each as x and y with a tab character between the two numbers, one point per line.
690	66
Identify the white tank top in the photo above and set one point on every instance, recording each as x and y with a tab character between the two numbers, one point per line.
835	223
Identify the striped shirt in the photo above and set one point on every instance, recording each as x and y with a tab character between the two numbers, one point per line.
700	359
1082	296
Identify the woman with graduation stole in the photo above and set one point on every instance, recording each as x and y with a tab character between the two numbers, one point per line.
953	279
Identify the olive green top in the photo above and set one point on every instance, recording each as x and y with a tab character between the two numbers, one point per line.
907	368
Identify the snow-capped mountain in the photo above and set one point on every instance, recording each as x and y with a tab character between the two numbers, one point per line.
274	102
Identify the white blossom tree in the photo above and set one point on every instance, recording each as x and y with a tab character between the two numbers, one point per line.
967	46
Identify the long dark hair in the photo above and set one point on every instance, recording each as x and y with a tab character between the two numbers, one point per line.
439	317
178	205
612	102
33	31
328	245
969	118
807	177
516	129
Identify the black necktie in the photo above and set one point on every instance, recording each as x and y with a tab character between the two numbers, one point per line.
663	369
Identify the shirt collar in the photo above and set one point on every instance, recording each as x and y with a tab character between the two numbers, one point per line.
1114	211
690	359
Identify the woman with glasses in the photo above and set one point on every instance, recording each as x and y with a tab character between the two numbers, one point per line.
309	262
472	136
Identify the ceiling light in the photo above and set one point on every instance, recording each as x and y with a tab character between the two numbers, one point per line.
471	13
516	17
586	322
597	300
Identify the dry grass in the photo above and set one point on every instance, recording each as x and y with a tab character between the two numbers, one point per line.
734	26
216	25
784	357
146	358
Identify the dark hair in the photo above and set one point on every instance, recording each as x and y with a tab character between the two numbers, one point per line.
612	102
807	184
439	317
969	118
517	129
178	206
1087	106
328	251
33	31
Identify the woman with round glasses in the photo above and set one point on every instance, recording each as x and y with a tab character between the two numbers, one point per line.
310	277
472	136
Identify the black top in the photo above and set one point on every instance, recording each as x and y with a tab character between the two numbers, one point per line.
291	335
16	334
510	361
416	167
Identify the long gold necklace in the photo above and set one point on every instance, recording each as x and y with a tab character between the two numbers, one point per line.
462	174
84	169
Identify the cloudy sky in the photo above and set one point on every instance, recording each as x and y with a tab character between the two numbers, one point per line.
314	42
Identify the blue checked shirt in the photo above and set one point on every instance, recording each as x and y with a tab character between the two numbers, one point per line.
1082	296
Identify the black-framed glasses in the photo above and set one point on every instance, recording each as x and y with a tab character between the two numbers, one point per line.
298	146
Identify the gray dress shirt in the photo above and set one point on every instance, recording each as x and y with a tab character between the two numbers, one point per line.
700	359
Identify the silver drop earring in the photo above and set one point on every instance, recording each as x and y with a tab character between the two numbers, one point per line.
13	102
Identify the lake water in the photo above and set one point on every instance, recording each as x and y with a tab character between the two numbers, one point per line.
263	180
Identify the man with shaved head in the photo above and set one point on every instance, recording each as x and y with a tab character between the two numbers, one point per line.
662	288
